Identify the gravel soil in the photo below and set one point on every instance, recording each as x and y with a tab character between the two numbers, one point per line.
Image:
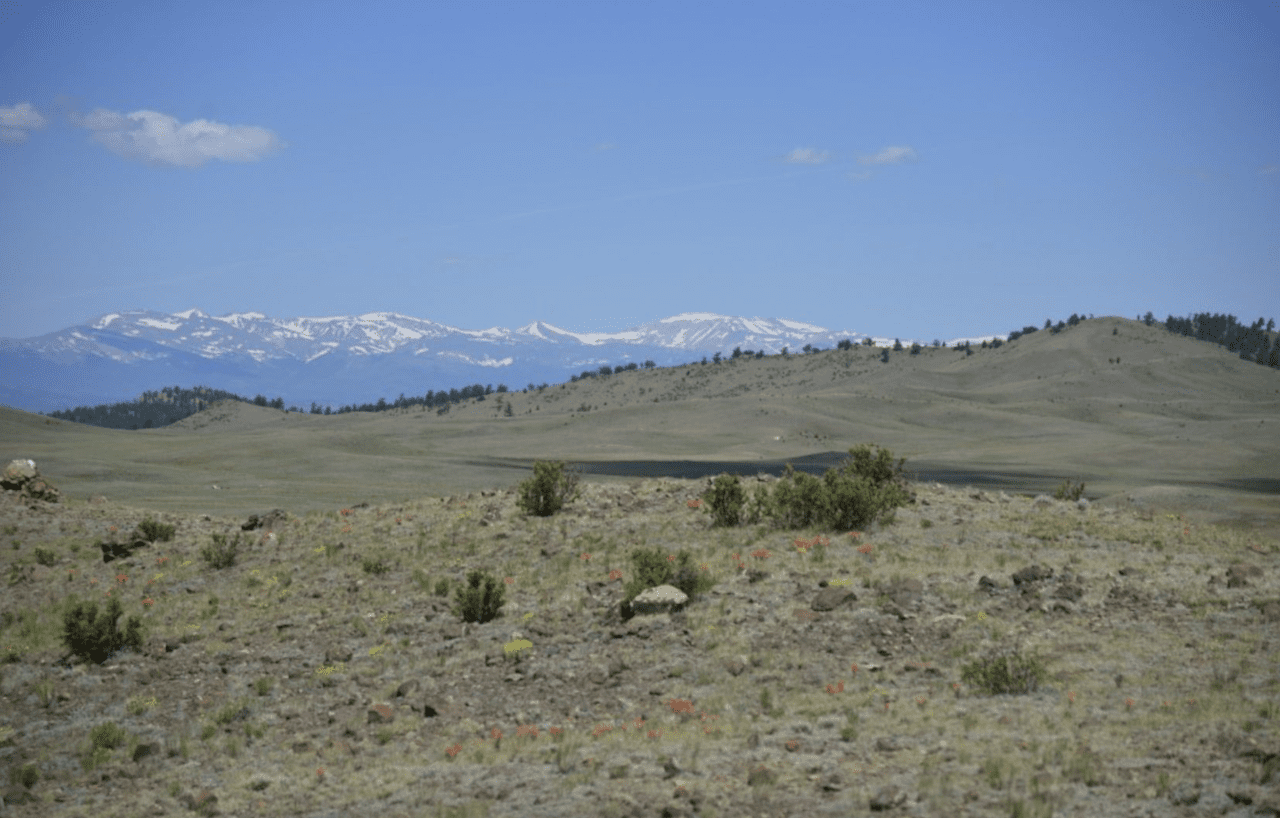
823	674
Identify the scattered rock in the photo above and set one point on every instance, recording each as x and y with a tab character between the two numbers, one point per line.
662	599
887	798
276	518
23	477
833	597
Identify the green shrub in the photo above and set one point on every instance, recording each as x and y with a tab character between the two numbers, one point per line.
1004	671
725	499
442	586
46	557
152	531
799	500
375	566
263	686
96	638
864	489
479	604
1069	492
26	776
548	490
652	568
220	554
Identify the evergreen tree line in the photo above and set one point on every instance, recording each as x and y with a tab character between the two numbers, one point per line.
151	410
166	406
1251	343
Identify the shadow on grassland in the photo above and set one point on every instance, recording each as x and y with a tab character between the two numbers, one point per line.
1025	483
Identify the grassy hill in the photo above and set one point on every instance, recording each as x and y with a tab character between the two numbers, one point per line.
1118	411
321	670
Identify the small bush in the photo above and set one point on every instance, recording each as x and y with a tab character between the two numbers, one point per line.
652	568
442	586
46	557
375	566
866	488
220	554
263	686
152	531
108	736
1069	492
548	490
725	499
479	604
102	740
96	638
1004	672
26	776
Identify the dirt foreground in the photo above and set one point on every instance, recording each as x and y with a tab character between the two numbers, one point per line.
823	674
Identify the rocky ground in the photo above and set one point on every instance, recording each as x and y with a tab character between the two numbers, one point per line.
822	675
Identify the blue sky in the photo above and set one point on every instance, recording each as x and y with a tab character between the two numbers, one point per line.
921	170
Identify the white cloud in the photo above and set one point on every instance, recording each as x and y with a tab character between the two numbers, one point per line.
160	139
16	121
889	156
807	156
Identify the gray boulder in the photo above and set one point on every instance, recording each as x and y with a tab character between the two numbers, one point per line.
22	476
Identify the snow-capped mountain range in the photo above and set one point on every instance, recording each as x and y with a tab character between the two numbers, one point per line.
352	359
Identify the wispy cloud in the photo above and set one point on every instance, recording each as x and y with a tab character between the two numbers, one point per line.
890	156
606	146
807	156
159	139
1267	170
17	121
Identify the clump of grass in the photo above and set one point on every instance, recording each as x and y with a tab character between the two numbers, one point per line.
46	557
26	776
102	740
220	554
263	686
375	566
1004	671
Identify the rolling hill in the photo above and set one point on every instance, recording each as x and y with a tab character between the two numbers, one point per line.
1118	405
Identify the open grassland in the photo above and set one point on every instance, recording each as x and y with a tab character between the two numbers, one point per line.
326	671
1118	412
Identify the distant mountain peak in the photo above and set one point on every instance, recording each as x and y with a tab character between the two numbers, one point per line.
346	358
